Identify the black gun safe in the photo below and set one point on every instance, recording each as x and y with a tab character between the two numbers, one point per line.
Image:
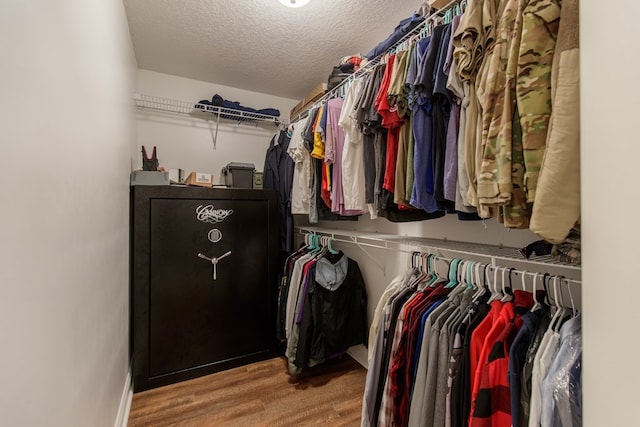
203	281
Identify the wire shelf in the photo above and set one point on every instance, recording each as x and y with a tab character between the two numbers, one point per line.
341	88
203	111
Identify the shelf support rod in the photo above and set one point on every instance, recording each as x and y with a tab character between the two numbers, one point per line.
373	260
215	136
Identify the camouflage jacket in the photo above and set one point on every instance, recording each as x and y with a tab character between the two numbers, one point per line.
533	86
501	178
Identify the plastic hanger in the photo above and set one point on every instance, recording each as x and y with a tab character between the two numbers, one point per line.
536	303
438	277
495	295
453	273
480	289
466	270
507	292
315	239
470	267
330	248
556	320
418	281
574	311
447	16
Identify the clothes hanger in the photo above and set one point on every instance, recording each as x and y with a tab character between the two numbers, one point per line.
447	16
331	250
481	288
420	270
429	274
460	273
413	259
470	266
495	295
427	268
437	277
453	273
556	320
316	242
536	303
507	291
574	311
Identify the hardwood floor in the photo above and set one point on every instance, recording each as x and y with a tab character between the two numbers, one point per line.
260	394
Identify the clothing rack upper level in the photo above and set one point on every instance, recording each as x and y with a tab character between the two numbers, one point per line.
342	87
195	109
494	255
206	112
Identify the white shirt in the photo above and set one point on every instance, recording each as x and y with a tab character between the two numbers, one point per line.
353	182
544	358
301	186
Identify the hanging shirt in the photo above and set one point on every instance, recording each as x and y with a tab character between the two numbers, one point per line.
441	109
517	356
527	369
368	121
492	404
301	184
544	358
352	167
391	121
278	175
401	372
558	389
335	139
318	144
533	87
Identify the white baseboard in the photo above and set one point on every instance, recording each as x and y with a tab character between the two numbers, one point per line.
359	354
125	402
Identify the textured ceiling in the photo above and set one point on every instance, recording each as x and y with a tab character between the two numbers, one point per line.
258	45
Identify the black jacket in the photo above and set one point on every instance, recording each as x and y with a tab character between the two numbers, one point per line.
334	316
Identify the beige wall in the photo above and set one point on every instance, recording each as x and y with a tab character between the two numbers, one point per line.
188	143
66	132
610	199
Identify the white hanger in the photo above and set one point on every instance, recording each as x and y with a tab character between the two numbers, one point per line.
506	296
495	295
536	303
573	305
480	290
555	323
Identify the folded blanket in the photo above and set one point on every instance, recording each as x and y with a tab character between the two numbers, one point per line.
219	101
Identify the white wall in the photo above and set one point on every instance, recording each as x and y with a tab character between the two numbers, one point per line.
66	132
186	142
610	198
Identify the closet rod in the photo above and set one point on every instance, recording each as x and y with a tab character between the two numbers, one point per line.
489	266
343	85
500	268
408	244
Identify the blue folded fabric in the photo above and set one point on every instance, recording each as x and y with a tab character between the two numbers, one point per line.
270	112
219	101
404	27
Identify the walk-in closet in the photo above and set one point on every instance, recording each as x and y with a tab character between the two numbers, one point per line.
319	212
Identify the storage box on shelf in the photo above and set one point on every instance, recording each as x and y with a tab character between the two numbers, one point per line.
238	175
439	4
311	97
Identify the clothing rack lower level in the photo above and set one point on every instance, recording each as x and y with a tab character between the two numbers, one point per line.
495	255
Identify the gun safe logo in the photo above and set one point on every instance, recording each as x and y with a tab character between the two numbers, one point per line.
211	215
